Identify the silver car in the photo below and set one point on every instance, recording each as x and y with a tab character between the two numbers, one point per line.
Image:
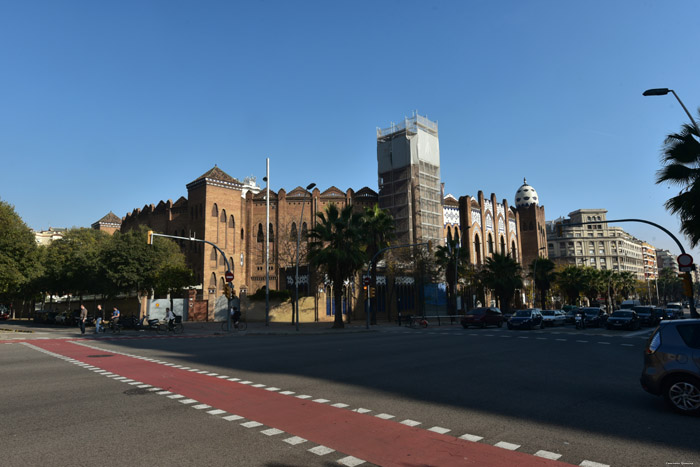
672	364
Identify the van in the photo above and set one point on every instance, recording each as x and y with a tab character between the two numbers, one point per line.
627	304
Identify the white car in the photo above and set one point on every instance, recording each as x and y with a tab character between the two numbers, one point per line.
553	317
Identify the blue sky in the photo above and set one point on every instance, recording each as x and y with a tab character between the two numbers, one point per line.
108	106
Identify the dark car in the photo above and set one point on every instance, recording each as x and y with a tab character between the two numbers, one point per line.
4	314
483	317
623	319
673	311
672	365
526	319
648	315
593	317
571	315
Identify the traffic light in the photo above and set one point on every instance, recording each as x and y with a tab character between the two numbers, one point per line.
687	284
227	291
372	292
150	237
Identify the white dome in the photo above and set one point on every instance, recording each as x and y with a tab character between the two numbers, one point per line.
526	195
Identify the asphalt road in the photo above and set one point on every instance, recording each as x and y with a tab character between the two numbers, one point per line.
569	393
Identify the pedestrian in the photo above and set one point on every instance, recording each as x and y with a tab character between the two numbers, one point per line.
115	318
83	318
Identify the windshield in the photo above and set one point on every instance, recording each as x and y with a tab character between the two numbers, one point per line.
673	306
623	314
592	312
548	312
523	313
477	312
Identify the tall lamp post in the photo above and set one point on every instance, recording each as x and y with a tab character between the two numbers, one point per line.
296	276
663	92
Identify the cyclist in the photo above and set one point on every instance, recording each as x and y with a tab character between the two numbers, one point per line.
235	315
170	316
115	318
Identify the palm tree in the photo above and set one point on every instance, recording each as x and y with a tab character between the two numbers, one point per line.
503	275
336	248
377	232
570	281
543	274
681	156
453	261
593	283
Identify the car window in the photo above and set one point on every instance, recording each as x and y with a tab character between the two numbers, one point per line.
690	333
522	313
623	314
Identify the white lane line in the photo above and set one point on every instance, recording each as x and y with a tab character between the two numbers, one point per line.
134	383
508	446
562	340
361	410
120	378
628	345
287	393
251	424
592	464
410	422
176	396
321	450
259	385
439	429
231	418
350	461
294	440
216	412
202	372
320	401
142	386
541	338
606	343
472	438
340	405
246	382
234	379
222	376
187	401
271	431
272	389
163	393
201	406
304	396
523	337
548	455
583	342
384	416
154	389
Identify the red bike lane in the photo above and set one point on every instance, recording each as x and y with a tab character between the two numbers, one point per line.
382	442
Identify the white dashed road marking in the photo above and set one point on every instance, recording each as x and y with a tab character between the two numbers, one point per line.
548	455
472	438
508	446
439	429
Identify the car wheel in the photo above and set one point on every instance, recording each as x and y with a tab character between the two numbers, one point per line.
682	393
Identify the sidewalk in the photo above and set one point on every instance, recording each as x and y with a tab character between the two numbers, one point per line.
281	328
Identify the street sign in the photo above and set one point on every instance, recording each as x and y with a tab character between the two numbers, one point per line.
228	276
685	262
367	280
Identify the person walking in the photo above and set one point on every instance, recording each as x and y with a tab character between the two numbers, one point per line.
83	318
115	318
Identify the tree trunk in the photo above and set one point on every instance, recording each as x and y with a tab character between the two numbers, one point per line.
338	301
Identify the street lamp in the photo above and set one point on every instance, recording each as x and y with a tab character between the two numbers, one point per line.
296	278
663	92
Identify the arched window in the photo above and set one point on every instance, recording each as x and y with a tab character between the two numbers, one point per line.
449	235
490	244
477	249
503	246
212	280
293	232
457	237
233	265
213	255
215	210
221	283
225	229
232	227
513	251
272	234
261	234
242	235
304	232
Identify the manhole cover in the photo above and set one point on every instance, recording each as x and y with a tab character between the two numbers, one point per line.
136	392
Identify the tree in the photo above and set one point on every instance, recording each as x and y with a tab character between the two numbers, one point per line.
503	275
570	281
18	254
593	284
452	261
542	272
336	248
681	156
670	285
377	232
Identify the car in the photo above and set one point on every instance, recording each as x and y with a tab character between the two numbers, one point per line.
671	368
553	317
673	311
4	314
482	317
623	319
629	304
526	319
593	316
570	316
648	315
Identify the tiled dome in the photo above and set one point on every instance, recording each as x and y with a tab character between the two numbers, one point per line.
526	195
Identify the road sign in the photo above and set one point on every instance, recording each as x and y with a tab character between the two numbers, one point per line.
228	276
367	280
685	262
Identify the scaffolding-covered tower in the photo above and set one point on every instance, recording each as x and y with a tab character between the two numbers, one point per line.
408	160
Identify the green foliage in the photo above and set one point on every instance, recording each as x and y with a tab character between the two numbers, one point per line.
571	282
542	272
281	295
19	255
453	262
681	156
503	275
376	233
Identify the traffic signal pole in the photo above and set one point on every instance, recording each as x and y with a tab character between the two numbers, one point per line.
152	234
691	299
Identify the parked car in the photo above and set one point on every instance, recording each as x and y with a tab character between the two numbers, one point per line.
629	304
482	317
648	315
593	317
61	318
4	314
623	319
671	368
526	319
673	311
570	316
553	317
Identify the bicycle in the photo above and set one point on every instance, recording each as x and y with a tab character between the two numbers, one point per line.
111	326
241	326
164	328
418	321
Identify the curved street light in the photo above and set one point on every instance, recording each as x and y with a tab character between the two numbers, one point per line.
663	92
296	276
